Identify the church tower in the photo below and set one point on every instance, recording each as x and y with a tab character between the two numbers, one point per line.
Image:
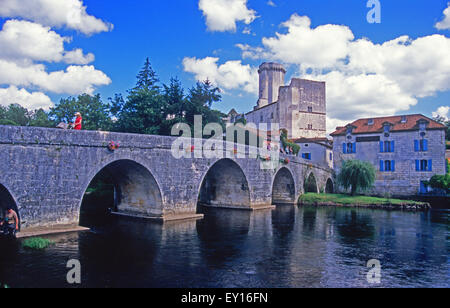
271	78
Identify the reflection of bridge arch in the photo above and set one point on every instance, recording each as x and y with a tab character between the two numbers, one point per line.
225	185
136	191
311	184
283	187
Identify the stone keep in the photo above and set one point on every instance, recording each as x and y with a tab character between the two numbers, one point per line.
299	107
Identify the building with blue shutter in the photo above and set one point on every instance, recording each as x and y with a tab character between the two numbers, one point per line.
405	151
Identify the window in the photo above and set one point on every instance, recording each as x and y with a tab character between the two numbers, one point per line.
306	156
387	128
349	148
387	146
370	122
421	145
387	165
310	109
424	165
331	156
310	126
404	119
262	118
271	115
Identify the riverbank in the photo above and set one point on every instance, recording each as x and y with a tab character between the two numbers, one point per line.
40	231
341	200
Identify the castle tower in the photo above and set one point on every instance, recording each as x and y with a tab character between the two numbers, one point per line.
271	78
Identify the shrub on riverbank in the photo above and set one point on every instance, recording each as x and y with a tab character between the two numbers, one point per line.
356	175
36	243
341	199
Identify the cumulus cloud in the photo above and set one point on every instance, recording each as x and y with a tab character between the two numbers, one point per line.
230	75
55	13
321	47
74	80
444	24
222	15
31	101
23	40
442	112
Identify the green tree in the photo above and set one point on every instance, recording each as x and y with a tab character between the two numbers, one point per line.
200	99
357	175
17	115
96	114
143	110
173	106
40	118
147	78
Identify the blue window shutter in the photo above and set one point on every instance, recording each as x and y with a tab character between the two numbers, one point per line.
344	147
393	166
381	165
381	147
392	146
425	145
417	165
354	147
416	145
430	165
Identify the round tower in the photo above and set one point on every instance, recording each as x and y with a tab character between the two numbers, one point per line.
271	78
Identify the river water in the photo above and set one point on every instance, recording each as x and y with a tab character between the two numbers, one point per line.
286	247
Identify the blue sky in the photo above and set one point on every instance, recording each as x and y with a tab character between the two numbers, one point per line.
179	37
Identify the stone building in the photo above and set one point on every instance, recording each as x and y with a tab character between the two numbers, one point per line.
405	150
316	150
299	107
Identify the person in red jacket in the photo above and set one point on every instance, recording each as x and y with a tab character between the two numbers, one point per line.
78	122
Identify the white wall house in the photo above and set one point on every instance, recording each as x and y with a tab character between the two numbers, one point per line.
405	150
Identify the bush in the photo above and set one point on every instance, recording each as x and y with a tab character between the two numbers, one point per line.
440	182
357	175
36	243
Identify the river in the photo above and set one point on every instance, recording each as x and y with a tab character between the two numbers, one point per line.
286	247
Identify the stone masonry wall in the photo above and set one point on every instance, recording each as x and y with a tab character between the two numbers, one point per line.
47	171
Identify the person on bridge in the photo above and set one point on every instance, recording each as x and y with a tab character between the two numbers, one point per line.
10	223
78	121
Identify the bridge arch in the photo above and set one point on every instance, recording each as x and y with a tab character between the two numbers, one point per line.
283	187
225	185
329	186
311	184
131	187
7	200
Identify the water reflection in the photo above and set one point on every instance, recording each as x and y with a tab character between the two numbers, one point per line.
287	247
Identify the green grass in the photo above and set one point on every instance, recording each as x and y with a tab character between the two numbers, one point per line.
36	243
351	200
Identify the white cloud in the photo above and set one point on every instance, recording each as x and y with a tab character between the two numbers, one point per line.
222	15
74	80
31	101
23	40
271	3
442	112
321	47
55	13
230	75
444	24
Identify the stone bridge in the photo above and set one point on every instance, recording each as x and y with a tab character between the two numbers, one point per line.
44	174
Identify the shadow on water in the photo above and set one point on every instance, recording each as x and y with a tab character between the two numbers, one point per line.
222	233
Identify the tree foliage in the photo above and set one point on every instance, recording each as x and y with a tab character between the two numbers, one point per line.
153	109
96	114
357	175
16	115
